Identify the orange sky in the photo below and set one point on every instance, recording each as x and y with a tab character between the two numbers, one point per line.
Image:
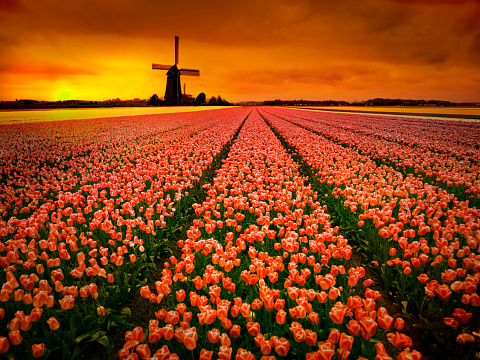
245	50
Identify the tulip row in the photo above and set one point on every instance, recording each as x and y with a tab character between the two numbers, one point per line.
265	273
443	153
424	241
84	209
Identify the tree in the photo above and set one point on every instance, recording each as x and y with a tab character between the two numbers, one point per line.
212	101
201	98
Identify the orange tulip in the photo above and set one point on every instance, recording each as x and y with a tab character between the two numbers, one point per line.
407	355
190	338
243	354
53	323
235	331
178	334
15	337
385	322
38	350
299	335
155	334
443	292
245	309
334	336
337	314
282	346
205	354
235	310
325	351
163	352
180	295
224	353
354	327
313	318
210	316
257	304
265	347
172	317
346	342
399	324
279	304
225	340
464	338
213	335
281	317
310	337
368	327
4	344
15	324
143	351
401	340
461	316
169	332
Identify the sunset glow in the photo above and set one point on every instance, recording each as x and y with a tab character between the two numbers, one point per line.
346	50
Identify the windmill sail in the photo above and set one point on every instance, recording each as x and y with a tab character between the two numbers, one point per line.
190	72
161	67
176	50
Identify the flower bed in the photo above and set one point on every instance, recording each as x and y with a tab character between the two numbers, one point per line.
263	273
424	242
86	208
442	153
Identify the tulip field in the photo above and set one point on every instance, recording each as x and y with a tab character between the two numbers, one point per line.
239	226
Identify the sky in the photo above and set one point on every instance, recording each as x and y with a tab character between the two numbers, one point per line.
245	50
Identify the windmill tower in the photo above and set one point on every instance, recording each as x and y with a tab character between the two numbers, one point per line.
173	92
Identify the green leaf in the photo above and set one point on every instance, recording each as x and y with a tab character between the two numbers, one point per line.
82	337
104	341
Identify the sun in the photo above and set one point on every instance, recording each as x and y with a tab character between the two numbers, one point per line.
64	94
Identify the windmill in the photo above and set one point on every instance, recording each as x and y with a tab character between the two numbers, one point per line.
173	92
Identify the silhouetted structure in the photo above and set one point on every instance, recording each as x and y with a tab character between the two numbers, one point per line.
173	92
154	101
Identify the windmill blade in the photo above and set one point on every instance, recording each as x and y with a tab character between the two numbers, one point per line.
176	49
190	72
161	67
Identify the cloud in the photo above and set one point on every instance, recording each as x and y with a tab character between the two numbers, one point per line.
10	5
45	70
286	44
